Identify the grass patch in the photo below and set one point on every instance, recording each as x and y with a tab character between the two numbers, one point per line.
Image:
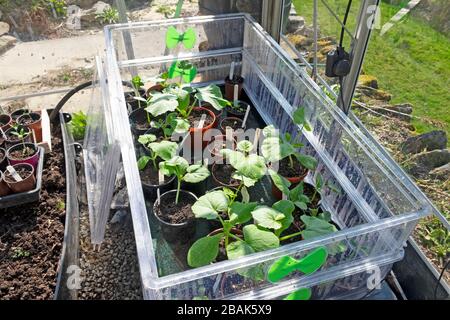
410	60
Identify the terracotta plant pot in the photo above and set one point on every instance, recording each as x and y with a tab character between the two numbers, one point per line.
198	133
153	88
30	159
12	140
3	159
229	87
293	180
28	182
225	121
16	114
181	232
4	189
5	122
33	122
217	113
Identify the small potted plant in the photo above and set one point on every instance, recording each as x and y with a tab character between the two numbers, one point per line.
148	164
24	152
27	180
17	134
231	122
32	121
283	150
173	208
5	121
237	109
131	98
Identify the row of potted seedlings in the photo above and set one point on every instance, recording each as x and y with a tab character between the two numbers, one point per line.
238	225
19	154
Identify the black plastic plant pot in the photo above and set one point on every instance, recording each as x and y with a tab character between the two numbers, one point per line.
151	191
16	114
198	189
182	231
239	111
132	103
139	121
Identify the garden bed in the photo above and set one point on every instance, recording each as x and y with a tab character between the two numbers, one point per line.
31	235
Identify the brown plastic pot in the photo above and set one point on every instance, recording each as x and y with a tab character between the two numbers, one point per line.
229	87
222	123
195	132
293	180
35	125
217	113
153	88
5	122
4	189
26	184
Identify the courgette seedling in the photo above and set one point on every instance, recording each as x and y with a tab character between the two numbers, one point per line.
276	147
163	149
179	167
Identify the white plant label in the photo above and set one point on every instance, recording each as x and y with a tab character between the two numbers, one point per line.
202	121
14	173
247	112
231	75
235	95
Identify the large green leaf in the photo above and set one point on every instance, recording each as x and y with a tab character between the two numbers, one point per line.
252	166
268	217
212	95
142	162
145	139
196	173
316	227
270	131
166	150
241	212
161	103
245	146
248	182
307	161
174	166
204	251
210	205
273	149
287	208
299	116
280	182
260	240
237	249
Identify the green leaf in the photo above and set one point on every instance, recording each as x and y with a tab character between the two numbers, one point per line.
174	166
307	161
196	173
260	240
204	251
252	166
270	131
245	195
211	94
166	150
301	294
316	227
248	182
273	149
180	125
161	103
319	182
268	217
245	146
326	216
210	205
241	212
280	182
299	116
238	249
142	162
145	139
301	205
287	208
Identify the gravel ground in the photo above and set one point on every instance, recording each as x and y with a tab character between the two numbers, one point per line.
113	272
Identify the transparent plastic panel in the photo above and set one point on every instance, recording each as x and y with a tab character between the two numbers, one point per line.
101	157
375	210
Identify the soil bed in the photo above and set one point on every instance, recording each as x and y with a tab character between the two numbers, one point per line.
31	236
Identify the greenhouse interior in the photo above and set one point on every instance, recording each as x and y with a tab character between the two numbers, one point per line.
224	150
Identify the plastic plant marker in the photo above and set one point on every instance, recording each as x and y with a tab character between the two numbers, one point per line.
247	112
301	294
173	38
285	265
14	173
160	177
184	70
229	133
231	75
256	139
235	95
204	251
202	121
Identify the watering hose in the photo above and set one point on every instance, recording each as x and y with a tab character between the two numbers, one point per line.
69	94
